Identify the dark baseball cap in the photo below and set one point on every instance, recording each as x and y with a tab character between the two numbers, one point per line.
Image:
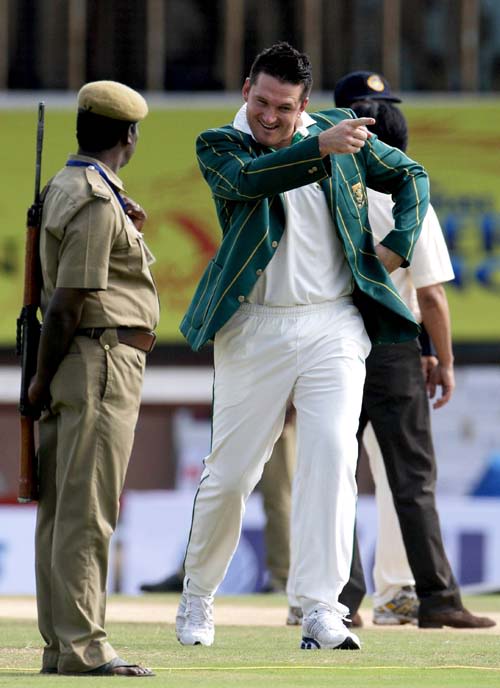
362	85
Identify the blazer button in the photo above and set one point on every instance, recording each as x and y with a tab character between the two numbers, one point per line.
274	244
259	271
312	170
241	299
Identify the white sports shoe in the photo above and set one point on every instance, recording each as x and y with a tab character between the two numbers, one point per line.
402	609
324	628
194	623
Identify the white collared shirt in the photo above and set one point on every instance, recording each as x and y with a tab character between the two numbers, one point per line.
309	265
431	262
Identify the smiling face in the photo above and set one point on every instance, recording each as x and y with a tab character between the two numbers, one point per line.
273	109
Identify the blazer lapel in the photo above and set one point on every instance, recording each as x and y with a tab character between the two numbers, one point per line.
329	186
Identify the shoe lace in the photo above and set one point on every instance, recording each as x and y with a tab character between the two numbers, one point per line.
331	619
200	610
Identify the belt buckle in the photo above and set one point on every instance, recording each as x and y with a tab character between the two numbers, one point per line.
153	342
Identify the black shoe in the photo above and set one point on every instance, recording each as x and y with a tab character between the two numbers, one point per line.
455	618
172	583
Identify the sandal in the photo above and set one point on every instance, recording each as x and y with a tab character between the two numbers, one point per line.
116	667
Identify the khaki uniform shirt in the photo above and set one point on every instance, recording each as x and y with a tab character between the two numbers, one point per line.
87	242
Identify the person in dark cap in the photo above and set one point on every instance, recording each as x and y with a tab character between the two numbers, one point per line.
395	397
100	308
360	86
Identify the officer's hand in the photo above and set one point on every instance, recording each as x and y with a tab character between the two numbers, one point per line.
38	395
135	213
348	136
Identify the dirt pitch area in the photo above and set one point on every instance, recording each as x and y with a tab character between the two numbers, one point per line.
226	613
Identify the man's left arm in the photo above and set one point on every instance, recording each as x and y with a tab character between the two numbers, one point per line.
390	171
390	260
435	312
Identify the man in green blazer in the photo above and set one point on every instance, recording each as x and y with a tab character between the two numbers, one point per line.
292	299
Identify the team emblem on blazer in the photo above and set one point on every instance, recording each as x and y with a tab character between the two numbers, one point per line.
358	191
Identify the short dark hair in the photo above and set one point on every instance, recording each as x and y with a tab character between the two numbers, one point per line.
285	63
390	125
96	133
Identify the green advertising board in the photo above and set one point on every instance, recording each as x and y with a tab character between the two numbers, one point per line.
458	143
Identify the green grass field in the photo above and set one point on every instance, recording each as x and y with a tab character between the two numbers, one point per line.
248	656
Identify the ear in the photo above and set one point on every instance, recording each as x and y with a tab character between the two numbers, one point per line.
246	89
303	105
132	133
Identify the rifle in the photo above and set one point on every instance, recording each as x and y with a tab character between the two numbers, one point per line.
28	332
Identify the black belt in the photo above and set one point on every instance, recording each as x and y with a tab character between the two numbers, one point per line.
132	336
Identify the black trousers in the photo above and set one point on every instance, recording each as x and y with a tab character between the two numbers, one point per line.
395	401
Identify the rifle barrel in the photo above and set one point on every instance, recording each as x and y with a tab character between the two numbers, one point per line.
39	147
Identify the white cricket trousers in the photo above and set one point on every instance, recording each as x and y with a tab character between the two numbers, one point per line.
264	357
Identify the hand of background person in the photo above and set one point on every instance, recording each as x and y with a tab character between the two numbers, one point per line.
428	364
135	212
444	377
389	259
348	136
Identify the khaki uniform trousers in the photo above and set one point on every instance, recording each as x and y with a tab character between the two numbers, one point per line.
85	445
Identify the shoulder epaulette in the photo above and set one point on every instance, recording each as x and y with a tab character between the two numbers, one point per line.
98	186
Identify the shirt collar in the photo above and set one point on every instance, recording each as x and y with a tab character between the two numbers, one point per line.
241	123
113	178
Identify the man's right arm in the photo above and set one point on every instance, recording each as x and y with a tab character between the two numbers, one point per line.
435	312
346	137
83	267
61	319
235	172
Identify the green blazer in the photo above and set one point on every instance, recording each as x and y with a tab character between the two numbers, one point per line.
247	180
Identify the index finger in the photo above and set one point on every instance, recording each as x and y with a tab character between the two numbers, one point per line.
362	121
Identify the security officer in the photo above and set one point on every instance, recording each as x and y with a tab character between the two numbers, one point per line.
100	308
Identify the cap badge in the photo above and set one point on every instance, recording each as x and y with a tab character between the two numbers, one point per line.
375	83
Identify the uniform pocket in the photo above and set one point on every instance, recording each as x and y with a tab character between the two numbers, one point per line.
136	258
82	376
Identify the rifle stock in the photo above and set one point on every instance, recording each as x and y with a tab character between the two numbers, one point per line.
28	334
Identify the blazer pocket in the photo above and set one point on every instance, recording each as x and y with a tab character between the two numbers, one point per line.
205	293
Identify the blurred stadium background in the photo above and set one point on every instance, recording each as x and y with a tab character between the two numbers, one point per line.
190	58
